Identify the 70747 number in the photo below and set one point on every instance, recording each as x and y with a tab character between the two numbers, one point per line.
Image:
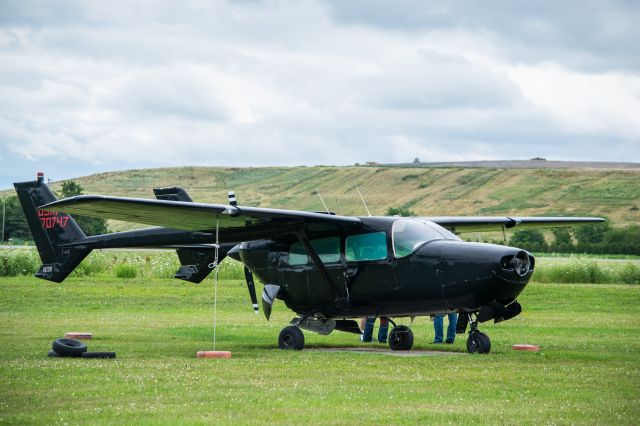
49	220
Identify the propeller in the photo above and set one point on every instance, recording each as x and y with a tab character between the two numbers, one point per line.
269	294
252	289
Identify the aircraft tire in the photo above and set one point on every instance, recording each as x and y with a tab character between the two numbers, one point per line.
291	338
69	347
478	343
401	338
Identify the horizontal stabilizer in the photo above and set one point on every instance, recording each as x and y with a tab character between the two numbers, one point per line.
196	264
172	194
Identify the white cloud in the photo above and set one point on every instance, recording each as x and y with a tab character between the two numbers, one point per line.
137	84
607	103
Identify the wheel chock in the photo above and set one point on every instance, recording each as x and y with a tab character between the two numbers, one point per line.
213	354
525	347
78	335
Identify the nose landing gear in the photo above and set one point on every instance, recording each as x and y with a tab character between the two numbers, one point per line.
477	342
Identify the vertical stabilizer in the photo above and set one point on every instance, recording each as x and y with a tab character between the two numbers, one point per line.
50	231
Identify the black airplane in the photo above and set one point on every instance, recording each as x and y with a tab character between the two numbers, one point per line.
328	269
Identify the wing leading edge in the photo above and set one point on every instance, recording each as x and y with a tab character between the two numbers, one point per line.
247	223
462	224
235	223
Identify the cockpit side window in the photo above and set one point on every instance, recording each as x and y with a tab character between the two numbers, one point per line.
372	246
328	250
409	234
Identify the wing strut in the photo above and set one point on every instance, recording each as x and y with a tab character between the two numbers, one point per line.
342	299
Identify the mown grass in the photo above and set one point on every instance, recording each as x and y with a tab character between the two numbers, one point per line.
587	372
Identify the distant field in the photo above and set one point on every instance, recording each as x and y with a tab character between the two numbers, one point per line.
614	194
588	371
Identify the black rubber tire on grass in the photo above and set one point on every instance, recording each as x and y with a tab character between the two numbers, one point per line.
69	347
53	354
103	355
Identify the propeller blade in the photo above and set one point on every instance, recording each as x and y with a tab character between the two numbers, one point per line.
269	293
252	289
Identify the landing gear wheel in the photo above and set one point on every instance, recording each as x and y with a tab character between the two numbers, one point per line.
401	338
291	338
478	342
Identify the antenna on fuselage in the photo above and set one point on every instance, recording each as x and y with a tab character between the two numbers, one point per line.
365	204
320	195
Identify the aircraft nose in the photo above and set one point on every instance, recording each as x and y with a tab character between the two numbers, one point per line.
474	274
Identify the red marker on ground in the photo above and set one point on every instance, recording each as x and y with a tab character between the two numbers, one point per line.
525	347
213	354
78	335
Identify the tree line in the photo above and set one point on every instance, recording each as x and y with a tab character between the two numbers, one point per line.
594	239
17	229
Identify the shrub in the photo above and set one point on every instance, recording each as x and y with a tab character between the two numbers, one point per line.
630	274
94	264
126	270
18	262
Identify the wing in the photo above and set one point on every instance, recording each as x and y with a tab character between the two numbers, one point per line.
235	223
462	224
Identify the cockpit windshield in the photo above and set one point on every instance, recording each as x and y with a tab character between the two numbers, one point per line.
409	234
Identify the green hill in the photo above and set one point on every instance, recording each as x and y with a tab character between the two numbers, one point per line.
427	191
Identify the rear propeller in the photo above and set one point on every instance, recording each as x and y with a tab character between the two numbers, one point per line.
252	289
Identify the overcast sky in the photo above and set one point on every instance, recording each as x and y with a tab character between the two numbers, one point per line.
110	85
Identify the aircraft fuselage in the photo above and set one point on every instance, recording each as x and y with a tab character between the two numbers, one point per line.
442	275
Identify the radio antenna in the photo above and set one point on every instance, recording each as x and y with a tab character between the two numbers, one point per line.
365	204
320	195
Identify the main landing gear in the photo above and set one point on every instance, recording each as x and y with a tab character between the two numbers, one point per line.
477	342
400	337
291	337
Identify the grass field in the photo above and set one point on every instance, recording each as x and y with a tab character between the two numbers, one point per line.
588	371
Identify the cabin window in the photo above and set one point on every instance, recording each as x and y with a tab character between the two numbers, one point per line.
297	255
371	246
328	250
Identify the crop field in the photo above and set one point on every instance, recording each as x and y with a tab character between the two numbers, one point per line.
587	372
